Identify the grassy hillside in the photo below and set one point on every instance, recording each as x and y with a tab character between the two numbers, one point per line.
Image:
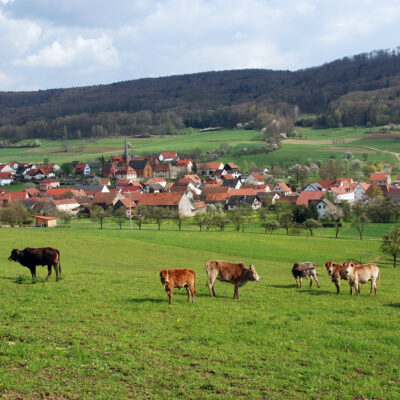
106	331
314	144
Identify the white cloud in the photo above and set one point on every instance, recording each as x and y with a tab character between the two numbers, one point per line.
81	53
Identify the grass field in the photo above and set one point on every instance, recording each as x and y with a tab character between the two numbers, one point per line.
106	331
308	148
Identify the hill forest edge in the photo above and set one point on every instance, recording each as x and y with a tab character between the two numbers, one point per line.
362	90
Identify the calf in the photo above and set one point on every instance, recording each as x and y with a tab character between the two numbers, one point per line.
357	274
304	270
179	278
226	271
31	258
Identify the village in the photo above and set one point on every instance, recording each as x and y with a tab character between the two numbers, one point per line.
179	185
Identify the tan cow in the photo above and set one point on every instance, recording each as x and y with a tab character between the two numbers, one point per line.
179	278
226	271
357	274
337	272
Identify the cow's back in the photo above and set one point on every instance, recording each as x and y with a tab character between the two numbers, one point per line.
225	270
182	276
366	272
41	255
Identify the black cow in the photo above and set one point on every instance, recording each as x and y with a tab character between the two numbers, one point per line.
30	258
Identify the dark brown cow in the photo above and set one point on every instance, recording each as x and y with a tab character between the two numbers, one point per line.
31	258
226	271
304	270
179	278
336	272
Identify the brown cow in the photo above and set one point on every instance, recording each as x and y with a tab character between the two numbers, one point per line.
337	272
226	271
179	278
304	270
31	258
357	274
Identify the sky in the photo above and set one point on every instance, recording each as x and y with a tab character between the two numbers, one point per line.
69	43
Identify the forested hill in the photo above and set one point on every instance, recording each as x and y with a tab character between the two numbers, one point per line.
340	92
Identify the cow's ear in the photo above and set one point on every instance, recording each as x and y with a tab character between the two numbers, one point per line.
252	267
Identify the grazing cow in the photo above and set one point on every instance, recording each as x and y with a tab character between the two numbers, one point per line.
226	271
31	258
337	272
357	274
179	278
304	270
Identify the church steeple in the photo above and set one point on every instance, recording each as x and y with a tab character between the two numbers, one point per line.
126	152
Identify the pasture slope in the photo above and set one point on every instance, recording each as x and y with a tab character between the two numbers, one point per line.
106	331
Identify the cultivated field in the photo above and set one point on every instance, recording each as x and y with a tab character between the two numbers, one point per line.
106	331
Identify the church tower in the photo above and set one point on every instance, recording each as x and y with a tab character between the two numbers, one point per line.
126	155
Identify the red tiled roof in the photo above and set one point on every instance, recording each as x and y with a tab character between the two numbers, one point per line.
284	187
210	165
161	167
216	197
59	191
257	176
160	199
184	163
379	176
242	192
169	154
64	201
308	195
6	175
199	204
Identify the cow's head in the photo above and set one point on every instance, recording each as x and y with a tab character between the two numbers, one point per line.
14	255
164	276
330	267
253	276
349	267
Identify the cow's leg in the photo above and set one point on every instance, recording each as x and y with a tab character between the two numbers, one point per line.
57	272
311	278
49	271
169	291
316	279
236	292
300	278
32	268
193	292
351	290
188	292
211	282
337	284
358	289
373	287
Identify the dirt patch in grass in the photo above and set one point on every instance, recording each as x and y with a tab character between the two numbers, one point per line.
316	142
78	149
381	136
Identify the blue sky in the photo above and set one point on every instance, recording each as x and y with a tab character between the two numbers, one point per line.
68	43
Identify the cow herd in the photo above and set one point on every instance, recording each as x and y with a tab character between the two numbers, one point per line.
236	273
350	271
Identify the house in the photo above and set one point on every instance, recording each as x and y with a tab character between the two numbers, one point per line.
254	179
107	199
235	201
196	180
45	222
126	172
230	181
109	171
142	167
131	187
360	191
106	182
7	168
174	201
165	170
217	198
230	167
184	166
32	192
261	171
91	190
168	156
307	196
325	208
127	204
199	207
49	183
82	168
209	168
70	206
6	178
345	193
282	189
39	173
380	178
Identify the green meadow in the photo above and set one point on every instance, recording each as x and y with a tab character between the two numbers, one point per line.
106	331
313	144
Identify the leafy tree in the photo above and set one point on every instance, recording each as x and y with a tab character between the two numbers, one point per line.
199	220
178	219
67	169
301	173
375	193
240	216
221	220
14	214
286	221
359	223
311	224
270	226
262	214
158	214
391	243
64	216
99	214
119	216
